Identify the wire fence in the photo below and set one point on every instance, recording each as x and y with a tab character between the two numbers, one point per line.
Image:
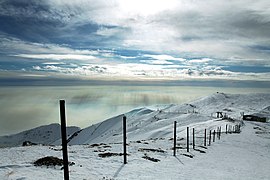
198	139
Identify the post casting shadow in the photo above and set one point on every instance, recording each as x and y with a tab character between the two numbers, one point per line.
179	160
118	171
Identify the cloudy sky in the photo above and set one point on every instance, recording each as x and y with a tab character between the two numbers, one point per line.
134	40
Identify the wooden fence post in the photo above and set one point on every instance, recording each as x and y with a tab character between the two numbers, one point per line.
174	139
214	135
193	133
125	138
187	139
226	128
204	137
64	138
219	133
210	138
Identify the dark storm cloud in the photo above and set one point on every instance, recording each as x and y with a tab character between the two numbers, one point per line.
48	22
29	20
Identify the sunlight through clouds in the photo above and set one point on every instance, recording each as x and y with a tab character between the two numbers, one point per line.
146	8
155	39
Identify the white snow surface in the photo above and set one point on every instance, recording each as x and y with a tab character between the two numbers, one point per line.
244	155
46	134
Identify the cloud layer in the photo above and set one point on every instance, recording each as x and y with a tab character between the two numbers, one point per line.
174	39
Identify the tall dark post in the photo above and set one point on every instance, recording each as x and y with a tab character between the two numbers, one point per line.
226	128
210	138
193	136
214	135
204	137
174	139
64	138
219	133
187	139
125	138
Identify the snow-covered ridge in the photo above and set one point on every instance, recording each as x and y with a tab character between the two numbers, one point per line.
243	155
144	123
46	134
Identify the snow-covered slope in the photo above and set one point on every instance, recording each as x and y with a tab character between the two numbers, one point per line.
231	104
149	134
41	135
144	123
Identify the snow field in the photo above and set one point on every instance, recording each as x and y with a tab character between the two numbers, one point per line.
149	133
90	166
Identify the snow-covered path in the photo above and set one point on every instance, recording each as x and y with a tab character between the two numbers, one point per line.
235	156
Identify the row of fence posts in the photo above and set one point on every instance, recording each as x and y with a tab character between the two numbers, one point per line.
64	139
229	129
213	135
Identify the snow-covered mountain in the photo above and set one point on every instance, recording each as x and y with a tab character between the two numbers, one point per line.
47	134
145	123
244	155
